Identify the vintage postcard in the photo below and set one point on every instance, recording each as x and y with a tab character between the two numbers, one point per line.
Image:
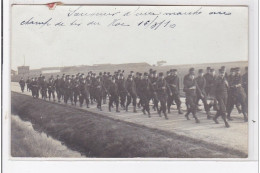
129	81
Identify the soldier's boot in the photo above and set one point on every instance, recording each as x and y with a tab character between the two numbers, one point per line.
109	108
117	109
245	117
239	109
180	111
100	108
126	108
135	109
165	115
196	119
208	115
226	123
159	112
75	103
143	110
187	116
87	105
229	117
215	120
169	110
149	115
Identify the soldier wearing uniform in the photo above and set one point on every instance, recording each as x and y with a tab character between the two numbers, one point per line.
146	89
131	92
201	81
68	94
35	87
28	81
162	91
22	84
245	81
220	93
84	91
51	88
58	86
208	77
174	85
44	87
191	89
153	80
99	90
113	94
239	93
75	90
122	90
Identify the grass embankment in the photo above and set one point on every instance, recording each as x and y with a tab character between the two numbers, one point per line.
26	142
98	136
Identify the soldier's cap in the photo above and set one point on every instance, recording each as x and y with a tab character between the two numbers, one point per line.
94	74
200	70
123	71
119	70
154	72
145	74
131	71
221	71
43	76
232	69
192	70
137	73
63	74
208	68
174	70
105	72
100	73
237	69
121	74
72	76
108	73
161	74
223	67
82	73
168	72
129	76
212	70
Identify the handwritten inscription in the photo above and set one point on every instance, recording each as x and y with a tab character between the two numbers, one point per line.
138	17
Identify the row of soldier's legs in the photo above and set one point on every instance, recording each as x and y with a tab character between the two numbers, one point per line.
122	96
51	93
232	100
84	97
222	102
68	95
35	92
176	98
131	98
191	101
145	103
44	93
113	99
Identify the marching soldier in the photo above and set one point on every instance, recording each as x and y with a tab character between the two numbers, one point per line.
131	92
122	90
58	86
201	81
162	91
239	93
153	80
68	94
208	77
84	92
245	81
22	84
174	85
75	90
28	81
190	89
51	88
99	90
113	95
35	87
145	93
44	87
220	93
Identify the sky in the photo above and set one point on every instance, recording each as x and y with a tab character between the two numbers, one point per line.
186	39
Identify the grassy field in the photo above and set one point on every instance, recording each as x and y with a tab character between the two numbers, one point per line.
94	135
26	142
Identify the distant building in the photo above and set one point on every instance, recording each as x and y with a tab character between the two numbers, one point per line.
23	70
13	72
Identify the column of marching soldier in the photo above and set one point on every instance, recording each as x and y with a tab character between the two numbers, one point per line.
221	92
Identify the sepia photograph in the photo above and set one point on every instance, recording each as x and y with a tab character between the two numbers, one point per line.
114	81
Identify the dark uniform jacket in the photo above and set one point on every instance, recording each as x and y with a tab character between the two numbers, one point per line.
22	83
162	88
174	84
121	85
146	87
220	87
130	86
113	89
190	86
201	82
